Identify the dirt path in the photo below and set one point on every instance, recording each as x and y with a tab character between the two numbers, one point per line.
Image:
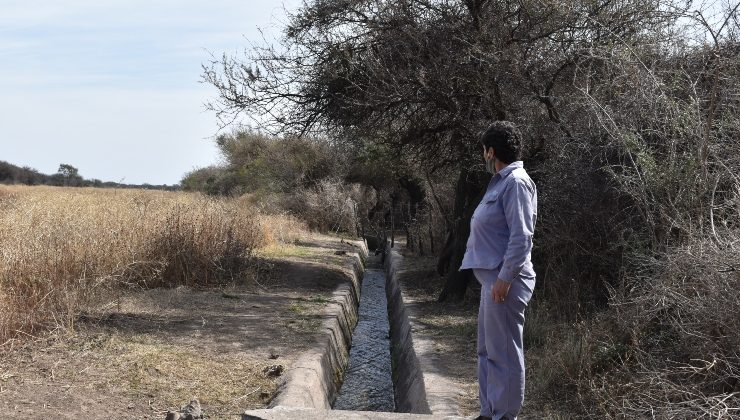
141	353
449	328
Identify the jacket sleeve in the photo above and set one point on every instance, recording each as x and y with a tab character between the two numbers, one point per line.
520	216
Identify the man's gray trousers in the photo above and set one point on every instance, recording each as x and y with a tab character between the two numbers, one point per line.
500	346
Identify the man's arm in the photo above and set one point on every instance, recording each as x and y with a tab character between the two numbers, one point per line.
519	211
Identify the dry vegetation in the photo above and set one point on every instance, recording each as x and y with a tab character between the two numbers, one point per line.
60	247
145	351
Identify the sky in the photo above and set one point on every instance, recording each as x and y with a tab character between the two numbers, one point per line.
113	88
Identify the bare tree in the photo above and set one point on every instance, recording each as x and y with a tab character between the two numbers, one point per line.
423	77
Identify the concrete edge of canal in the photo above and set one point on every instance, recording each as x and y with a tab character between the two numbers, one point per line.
418	386
408	379
313	381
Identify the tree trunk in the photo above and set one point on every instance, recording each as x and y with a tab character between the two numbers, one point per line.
430	225
468	193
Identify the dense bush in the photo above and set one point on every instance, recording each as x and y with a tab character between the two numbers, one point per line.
680	321
321	183
640	225
332	205
260	164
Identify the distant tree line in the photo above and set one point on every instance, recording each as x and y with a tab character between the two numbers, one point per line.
66	176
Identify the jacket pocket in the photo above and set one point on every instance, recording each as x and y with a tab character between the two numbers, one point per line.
490	208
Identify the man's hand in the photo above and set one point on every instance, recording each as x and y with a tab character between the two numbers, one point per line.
499	290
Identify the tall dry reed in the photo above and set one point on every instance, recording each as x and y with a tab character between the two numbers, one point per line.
58	246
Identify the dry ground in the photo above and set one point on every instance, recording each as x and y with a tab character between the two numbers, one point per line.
138	353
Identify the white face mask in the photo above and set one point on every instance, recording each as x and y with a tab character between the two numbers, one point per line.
491	167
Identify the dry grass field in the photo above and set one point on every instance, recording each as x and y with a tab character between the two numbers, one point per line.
61	247
131	302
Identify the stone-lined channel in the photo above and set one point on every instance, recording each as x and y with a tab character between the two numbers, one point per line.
368	383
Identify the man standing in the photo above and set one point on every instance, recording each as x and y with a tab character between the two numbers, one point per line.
499	252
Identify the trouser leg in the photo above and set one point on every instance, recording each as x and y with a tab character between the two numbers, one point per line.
485	405
501	351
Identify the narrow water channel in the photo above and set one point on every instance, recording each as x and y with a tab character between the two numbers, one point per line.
368	383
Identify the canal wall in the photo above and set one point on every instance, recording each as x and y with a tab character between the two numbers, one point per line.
420	387
314	379
410	392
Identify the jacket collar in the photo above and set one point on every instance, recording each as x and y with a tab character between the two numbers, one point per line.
510	167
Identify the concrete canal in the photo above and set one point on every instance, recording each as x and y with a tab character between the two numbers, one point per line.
368	383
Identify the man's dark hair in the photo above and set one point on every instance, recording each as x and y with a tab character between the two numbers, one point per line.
505	139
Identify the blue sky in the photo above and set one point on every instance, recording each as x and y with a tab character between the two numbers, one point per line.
112	86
